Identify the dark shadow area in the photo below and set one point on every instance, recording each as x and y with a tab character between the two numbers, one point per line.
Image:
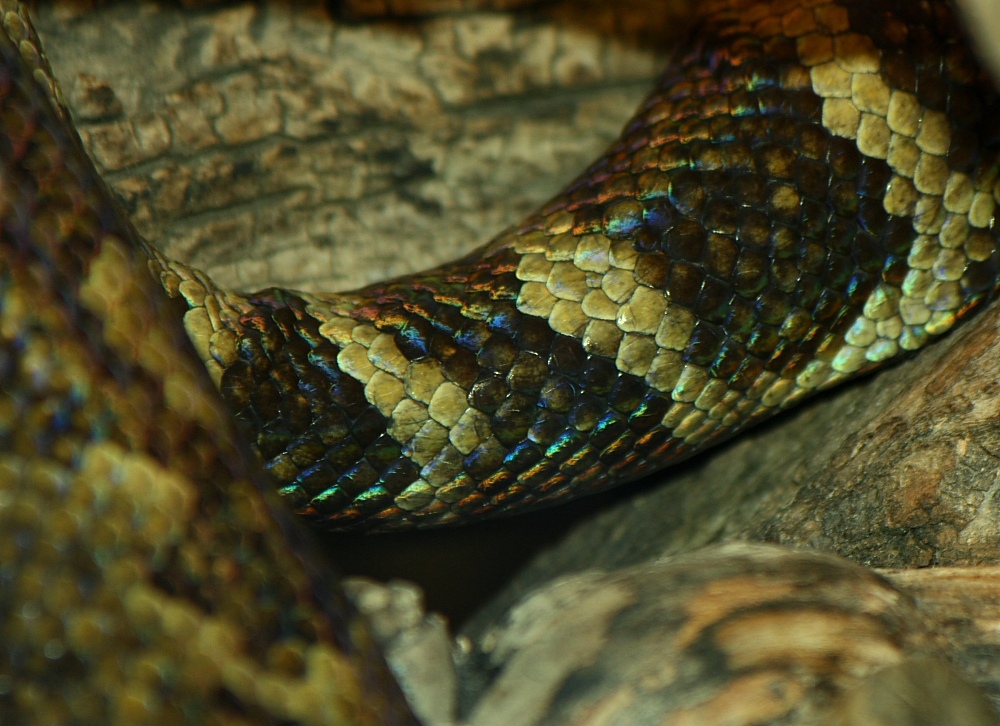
461	568
649	23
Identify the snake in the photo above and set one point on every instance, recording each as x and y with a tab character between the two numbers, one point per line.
808	193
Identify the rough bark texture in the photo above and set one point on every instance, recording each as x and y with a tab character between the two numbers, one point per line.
733	634
357	151
963	603
272	143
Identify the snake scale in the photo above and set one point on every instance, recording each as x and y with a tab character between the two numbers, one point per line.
808	193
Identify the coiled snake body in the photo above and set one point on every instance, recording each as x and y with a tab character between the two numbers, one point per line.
807	194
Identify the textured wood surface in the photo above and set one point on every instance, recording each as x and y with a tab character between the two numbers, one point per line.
276	144
737	634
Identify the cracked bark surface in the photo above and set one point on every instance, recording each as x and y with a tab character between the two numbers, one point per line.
360	151
274	144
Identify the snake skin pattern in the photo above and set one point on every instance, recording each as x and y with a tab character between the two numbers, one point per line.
809	193
144	579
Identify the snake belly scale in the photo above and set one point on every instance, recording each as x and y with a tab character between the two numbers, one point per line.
808	193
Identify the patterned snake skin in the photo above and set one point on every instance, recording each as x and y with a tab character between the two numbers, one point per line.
809	193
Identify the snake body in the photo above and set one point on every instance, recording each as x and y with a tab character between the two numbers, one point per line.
807	194
810	192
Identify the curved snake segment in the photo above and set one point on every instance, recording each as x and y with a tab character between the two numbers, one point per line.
807	194
143	577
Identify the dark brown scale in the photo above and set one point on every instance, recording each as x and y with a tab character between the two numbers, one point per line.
739	319
785	275
685	283
750	275
773	306
763	340
963	153
585	412
784	204
721	256
653	270
785	245
488	393
513	418
599	376
980	277
528	373
754	228
587	221
714	301
557	394
484	461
